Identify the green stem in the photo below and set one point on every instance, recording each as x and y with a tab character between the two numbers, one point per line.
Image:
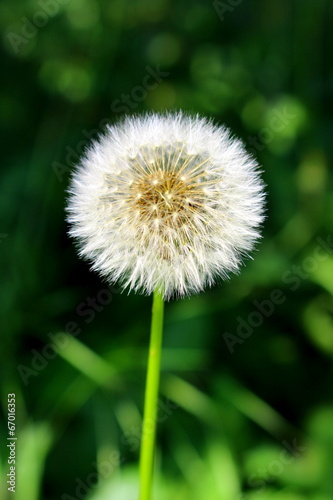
151	398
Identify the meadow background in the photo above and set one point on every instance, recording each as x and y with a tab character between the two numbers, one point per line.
246	408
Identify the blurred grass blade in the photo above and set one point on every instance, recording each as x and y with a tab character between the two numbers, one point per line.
88	362
223	467
254	407
34	443
191	399
71	400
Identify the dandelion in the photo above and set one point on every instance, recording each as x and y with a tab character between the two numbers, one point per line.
165	204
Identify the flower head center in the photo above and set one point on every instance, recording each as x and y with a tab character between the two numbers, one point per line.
164	189
167	197
161	194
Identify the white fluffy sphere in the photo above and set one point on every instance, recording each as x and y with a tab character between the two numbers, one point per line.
166	202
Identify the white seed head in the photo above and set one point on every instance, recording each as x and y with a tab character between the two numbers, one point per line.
167	202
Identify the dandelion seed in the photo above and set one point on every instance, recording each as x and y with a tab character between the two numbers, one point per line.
166	202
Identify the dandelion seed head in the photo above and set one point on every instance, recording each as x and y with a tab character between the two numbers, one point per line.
167	202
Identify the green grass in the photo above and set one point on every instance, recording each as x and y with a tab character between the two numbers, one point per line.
225	417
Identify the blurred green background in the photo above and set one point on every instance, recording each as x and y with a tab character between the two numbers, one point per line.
246	409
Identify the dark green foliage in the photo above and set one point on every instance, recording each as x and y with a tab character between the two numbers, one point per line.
246	405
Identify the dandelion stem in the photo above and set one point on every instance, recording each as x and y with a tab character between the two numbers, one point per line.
151	398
